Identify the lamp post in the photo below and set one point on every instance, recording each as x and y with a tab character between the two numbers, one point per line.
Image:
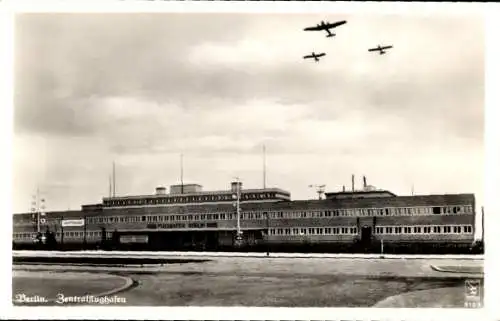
62	231
268	233
238	211
38	212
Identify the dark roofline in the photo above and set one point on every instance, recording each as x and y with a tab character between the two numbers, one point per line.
361	192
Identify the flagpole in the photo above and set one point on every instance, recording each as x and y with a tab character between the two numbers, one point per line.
182	174
114	180
264	165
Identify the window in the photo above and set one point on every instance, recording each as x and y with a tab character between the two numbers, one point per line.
328	230
436	210
388	230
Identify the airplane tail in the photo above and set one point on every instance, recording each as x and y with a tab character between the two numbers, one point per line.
330	35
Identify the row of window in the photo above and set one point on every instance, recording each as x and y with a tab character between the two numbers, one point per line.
254	215
398	211
349	230
189	199
345	230
427	229
338	230
69	234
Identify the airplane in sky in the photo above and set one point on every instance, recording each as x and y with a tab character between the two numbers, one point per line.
315	56
380	49
326	26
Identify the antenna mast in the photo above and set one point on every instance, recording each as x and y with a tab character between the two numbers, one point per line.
182	174
264	165
114	180
320	189
110	184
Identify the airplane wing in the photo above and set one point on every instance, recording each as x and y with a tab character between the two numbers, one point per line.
386	47
335	24
321	54
308	56
317	28
374	49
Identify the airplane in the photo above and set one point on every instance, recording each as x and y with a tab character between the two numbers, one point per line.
380	49
315	56
326	26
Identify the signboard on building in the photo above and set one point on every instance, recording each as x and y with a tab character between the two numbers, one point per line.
67	223
134	239
180	225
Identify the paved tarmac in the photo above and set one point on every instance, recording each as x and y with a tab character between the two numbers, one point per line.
290	282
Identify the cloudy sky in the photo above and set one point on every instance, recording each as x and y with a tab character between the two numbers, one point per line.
141	89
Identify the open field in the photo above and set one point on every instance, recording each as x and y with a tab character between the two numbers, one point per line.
250	281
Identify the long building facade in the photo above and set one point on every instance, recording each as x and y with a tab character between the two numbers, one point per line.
369	220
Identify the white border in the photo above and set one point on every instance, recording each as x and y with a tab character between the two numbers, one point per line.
491	11
492	159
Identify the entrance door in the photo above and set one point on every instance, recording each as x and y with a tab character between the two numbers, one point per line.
366	235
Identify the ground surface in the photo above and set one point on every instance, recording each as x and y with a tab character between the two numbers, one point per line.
285	282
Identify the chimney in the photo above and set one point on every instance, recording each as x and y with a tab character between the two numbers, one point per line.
364	182
352	182
343	188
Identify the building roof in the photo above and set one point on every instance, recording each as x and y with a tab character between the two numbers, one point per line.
397	201
200	193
